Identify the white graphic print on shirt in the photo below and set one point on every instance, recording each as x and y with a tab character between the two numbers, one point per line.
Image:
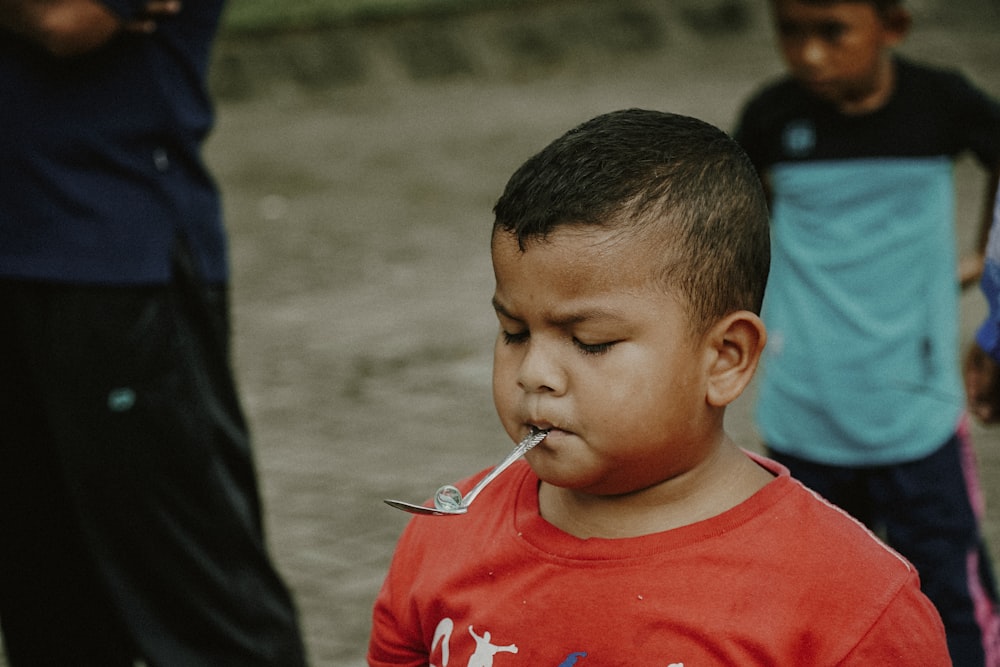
486	650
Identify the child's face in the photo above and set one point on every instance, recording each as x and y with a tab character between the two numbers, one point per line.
840	51
591	347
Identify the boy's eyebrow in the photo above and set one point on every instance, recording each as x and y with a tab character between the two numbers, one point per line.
497	306
564	320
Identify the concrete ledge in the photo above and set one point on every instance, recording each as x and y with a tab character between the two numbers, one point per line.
488	43
532	40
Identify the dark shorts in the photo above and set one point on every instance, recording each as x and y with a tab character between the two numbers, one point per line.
131	527
928	510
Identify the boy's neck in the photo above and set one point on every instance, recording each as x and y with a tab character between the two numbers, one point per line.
878	97
720	483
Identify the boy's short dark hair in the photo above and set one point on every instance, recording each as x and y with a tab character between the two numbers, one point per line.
675	182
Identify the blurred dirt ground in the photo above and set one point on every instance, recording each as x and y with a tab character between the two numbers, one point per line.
359	207
359	168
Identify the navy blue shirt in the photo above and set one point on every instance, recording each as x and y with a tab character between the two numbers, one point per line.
100	156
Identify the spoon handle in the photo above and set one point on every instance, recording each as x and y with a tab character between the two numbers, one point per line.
522	448
527	443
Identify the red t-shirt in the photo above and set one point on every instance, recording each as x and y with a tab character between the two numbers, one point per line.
782	579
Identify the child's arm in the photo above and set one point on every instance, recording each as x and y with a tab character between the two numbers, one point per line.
970	267
981	369
982	384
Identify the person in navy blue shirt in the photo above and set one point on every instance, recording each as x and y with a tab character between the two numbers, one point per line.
130	515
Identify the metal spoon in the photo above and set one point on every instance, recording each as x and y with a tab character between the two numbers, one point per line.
448	500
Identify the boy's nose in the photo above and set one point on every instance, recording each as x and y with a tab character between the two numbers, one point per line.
813	53
540	371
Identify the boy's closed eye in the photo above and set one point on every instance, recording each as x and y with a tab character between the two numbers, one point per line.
828	31
519	337
594	348
514	338
789	30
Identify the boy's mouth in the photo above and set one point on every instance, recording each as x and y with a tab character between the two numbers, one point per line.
548	427
820	87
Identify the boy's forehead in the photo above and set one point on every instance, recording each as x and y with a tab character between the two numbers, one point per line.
826	7
879	6
821	16
599	246
572	262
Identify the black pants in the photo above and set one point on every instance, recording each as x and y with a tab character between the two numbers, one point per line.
130	526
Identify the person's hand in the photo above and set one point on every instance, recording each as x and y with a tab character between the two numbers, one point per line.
970	269
151	15
67	28
982	385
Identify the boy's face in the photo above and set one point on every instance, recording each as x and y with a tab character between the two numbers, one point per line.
840	50
595	350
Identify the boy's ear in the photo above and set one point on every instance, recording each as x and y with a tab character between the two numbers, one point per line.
897	21
735	345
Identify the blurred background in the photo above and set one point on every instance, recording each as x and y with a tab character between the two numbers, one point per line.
360	147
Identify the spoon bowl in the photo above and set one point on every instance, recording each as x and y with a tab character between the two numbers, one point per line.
448	500
423	509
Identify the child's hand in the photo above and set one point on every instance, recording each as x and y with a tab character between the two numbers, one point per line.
970	269
70	28
982	385
152	14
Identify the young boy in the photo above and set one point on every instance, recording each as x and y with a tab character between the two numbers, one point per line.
630	258
861	396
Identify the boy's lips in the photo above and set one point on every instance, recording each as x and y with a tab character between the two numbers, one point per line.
814	81
540	425
821	87
554	432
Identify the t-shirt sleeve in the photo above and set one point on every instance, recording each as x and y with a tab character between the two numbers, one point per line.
745	134
754	130
980	120
395	637
909	633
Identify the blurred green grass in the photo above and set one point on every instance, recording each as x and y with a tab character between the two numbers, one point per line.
262	16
